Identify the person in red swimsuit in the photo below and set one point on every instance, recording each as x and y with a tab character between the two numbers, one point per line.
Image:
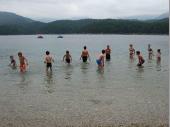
23	62
131	51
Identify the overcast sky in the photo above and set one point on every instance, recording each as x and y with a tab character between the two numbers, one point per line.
68	9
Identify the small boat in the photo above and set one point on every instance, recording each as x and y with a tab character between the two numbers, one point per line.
60	36
40	36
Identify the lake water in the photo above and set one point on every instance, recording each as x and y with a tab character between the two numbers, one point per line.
80	94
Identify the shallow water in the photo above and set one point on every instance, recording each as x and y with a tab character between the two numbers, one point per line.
80	94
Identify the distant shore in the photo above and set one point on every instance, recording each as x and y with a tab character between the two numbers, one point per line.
86	34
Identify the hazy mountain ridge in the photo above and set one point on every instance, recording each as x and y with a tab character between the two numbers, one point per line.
12	18
148	17
22	25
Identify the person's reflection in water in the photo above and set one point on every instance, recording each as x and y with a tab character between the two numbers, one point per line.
85	72
131	63
100	72
101	78
49	75
158	65
68	71
84	67
22	78
23	83
49	81
140	71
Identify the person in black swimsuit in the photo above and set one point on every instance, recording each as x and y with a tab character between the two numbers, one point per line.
108	52
67	57
13	62
48	60
85	55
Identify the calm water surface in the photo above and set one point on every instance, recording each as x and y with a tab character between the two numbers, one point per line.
80	93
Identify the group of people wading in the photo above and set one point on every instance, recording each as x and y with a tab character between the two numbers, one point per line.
141	60
67	58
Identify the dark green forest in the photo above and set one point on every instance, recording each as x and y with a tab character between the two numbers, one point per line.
86	26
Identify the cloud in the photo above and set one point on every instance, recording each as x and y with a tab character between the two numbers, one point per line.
61	9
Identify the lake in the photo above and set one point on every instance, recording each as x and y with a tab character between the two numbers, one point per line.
79	94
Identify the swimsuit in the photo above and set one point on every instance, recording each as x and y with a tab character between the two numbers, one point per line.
22	67
84	58
107	56
158	56
98	62
68	60
49	65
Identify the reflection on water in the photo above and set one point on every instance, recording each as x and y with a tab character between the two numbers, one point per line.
49	82
140	72
68	70
100	74
140	69
22	76
49	77
84	67
158	66
131	60
23	81
131	63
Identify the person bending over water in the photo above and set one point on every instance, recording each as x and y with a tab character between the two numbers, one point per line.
158	56
85	55
140	58
131	51
150	52
108	52
67	57
23	62
100	60
12	62
48	61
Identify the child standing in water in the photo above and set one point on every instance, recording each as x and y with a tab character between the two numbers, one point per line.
100	60
131	51
158	55
108	52
85	55
48	61
140	58
23	62
150	52
67	57
13	62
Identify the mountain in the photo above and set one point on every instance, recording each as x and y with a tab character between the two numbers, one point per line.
15	24
162	16
141	17
107	26
148	17
11	23
12	18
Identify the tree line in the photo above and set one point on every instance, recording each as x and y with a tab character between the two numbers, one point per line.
86	26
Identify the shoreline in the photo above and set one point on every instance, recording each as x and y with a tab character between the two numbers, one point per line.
84	34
